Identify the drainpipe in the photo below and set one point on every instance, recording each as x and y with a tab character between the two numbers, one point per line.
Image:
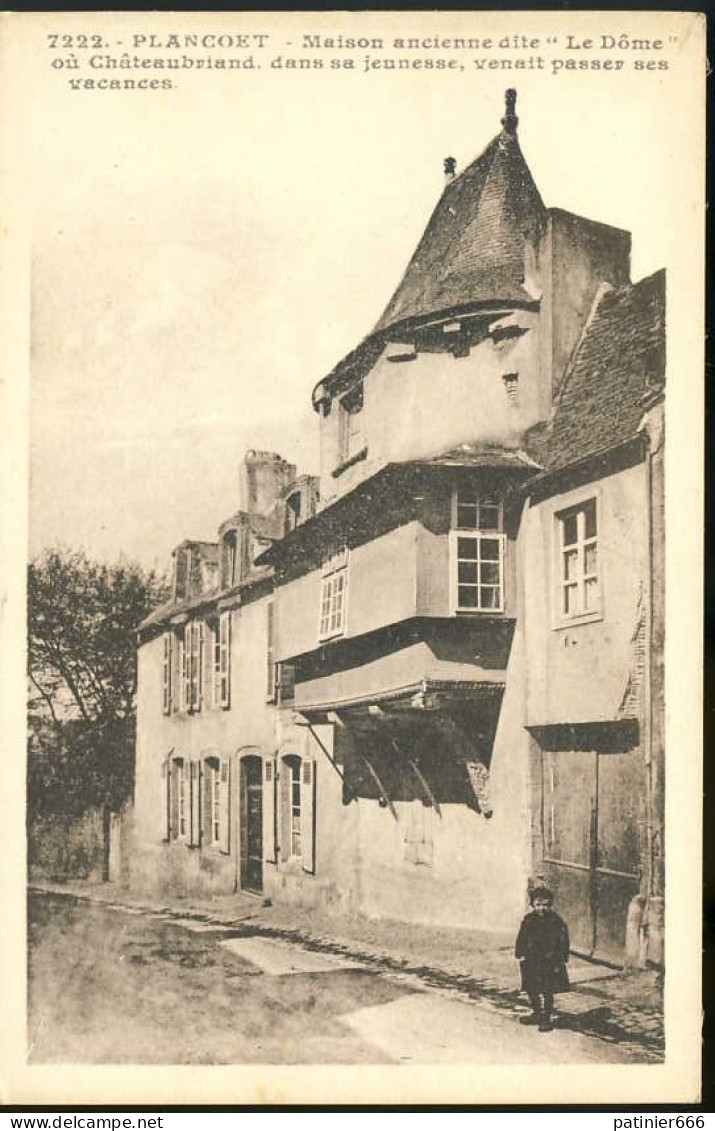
652	890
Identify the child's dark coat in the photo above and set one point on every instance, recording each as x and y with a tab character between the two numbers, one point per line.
543	943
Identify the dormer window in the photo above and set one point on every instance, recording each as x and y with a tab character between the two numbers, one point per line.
228	559
293	510
477	552
182	573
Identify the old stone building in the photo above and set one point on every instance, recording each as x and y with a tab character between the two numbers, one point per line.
411	686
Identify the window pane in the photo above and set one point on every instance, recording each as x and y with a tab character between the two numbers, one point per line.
489	549
590	558
570	598
490	573
467	573
589	511
466	548
489	597
570	565
569	529
591	593
467	516
489	516
467	597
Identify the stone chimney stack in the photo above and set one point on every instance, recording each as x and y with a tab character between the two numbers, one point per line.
510	120
263	476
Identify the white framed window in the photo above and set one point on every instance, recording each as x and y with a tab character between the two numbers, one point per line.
213	802
351	439
333	595
293	772
477	552
192	654
182	798
297	803
579	587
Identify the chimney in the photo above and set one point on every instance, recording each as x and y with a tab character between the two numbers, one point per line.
510	120
263	477
450	169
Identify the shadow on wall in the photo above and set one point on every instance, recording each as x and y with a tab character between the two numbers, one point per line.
432	762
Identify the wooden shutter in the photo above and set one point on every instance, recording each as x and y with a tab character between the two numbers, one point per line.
206	801
307	815
225	807
270	665
225	658
186	668
175	768
269	811
195	803
166	675
286	682
166	798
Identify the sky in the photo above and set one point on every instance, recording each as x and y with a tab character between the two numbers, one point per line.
201	257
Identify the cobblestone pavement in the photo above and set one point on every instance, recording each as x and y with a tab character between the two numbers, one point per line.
620	1008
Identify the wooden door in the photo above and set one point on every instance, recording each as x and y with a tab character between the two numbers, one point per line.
591	819
569	816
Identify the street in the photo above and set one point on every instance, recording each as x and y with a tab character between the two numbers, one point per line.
116	986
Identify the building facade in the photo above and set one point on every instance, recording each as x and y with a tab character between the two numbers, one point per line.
415	684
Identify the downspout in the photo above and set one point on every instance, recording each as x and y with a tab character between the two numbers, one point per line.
650	948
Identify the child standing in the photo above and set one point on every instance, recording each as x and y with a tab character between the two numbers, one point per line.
542	947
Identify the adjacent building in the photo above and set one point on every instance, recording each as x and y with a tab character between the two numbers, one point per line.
410	686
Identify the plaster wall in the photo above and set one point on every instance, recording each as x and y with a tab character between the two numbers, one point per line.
249	721
420	408
578	672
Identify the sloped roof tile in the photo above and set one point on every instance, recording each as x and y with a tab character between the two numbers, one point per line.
617	365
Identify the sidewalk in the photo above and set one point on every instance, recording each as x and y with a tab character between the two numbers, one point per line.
612	1005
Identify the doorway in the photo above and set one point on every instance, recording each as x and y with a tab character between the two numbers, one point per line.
251	823
591	826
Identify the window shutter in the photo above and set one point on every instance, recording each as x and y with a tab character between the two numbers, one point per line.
166	673
186	668
270	665
269	811
206	801
174	770
195	803
225	658
225	803
214	665
286	682
166	798
307	815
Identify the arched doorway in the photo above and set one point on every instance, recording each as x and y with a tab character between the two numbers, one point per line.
251	822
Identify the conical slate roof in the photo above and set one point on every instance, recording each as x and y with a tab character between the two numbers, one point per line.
472	250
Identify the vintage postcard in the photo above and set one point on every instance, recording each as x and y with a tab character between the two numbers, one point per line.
351	662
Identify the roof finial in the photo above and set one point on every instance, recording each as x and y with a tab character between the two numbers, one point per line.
510	120
450	168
